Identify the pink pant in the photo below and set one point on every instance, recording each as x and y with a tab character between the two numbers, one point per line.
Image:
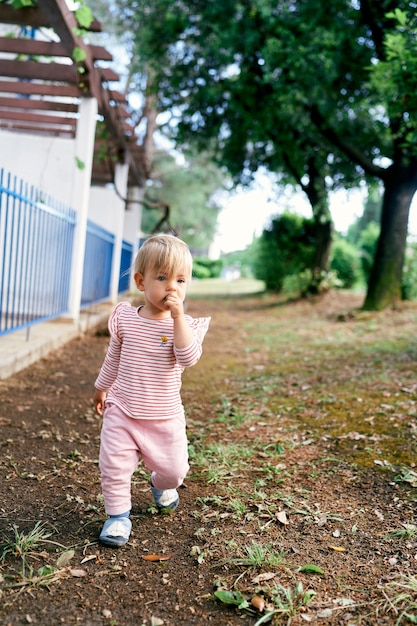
162	445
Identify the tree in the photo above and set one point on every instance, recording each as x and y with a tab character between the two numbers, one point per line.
285	248
185	194
178	197
319	92
371	213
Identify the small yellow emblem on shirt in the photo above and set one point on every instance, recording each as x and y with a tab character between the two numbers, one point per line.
164	340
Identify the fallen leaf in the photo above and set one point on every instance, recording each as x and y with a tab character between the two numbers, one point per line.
5	421
282	517
156	621
410	478
310	568
337	548
263	577
343	601
65	558
157	557
231	597
322	520
258	602
89	558
410	527
78	573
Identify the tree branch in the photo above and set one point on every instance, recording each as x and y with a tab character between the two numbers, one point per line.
347	148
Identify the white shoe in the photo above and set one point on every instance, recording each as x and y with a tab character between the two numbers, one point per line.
116	531
165	499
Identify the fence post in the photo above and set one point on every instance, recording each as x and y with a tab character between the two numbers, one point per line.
120	180
133	220
84	152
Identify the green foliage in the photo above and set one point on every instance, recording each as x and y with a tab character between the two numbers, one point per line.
409	278
79	55
345	262
394	77
305	282
232	597
321	94
79	163
296	285
21	4
206	268
371	213
367	243
242	259
285	248
188	189
84	15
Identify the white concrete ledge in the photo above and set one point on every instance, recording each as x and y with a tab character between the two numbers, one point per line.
21	348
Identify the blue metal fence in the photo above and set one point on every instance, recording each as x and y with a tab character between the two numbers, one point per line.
98	258
36	242
36	249
125	267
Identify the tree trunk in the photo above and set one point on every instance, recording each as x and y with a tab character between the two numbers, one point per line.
384	287
317	194
324	236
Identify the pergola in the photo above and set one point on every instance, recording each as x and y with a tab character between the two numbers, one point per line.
41	86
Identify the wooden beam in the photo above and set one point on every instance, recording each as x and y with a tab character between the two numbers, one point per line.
38	105
64	23
34	118
58	72
128	128
116	96
123	113
99	53
34	16
49	131
49	89
108	74
38	89
69	81
34	47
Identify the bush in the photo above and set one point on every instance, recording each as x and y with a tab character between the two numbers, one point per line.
367	244
409	278
299	284
286	248
207	268
346	263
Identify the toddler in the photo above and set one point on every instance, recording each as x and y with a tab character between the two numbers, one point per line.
138	386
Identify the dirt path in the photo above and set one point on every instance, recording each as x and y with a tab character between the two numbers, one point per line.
302	428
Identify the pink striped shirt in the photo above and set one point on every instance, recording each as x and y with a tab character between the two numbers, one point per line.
142	368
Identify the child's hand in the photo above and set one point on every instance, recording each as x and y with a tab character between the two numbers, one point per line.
98	400
174	304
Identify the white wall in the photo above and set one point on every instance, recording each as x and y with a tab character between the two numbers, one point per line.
49	163
45	162
105	209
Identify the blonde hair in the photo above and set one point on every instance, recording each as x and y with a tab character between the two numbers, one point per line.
166	254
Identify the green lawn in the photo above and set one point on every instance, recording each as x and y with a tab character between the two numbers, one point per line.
220	286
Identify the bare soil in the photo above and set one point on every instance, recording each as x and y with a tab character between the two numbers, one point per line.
302	428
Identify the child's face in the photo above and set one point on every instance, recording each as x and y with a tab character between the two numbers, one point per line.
156	286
